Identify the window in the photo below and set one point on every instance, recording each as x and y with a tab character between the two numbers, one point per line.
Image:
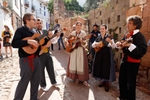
108	20
116	60
17	24
101	21
117	1
40	10
16	3
40	5
120	55
44	7
118	18
119	29
44	13
25	9
100	13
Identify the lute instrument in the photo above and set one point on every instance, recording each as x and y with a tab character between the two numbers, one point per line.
30	49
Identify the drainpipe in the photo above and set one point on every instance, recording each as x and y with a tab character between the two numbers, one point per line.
20	12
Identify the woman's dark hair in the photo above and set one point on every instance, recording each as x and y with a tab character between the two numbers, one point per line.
78	22
136	21
104	26
27	16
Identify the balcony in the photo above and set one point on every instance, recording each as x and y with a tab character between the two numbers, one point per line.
33	7
26	3
5	5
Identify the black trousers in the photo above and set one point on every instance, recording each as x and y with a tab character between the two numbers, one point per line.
27	75
46	61
52	46
127	80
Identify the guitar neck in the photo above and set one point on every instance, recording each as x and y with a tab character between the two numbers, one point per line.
52	36
41	36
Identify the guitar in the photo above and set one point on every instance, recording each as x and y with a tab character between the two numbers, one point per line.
30	49
43	47
73	43
101	44
99	47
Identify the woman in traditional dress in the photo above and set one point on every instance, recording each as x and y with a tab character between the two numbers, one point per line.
78	66
103	66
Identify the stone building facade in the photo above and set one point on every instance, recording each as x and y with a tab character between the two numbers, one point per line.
67	23
66	18
61	11
114	14
142	8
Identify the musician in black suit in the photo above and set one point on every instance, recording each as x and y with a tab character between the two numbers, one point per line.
29	63
46	60
131	60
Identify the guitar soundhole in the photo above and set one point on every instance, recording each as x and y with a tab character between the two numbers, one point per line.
31	46
37	40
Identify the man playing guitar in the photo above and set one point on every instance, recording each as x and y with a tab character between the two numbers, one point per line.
46	59
29	63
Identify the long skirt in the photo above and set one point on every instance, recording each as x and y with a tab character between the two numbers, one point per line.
75	60
103	66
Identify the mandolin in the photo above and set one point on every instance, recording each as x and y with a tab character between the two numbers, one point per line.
99	47
30	49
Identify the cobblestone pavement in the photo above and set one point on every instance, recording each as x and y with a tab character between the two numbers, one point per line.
8	69
9	74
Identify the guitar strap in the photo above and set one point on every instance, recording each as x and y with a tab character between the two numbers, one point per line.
77	34
38	31
78	43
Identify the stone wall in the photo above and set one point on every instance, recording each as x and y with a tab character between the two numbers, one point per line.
142	8
60	10
126	8
112	14
67	23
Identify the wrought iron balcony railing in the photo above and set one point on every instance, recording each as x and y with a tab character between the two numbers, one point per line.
26	3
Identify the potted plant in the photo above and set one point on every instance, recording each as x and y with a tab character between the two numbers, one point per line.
5	3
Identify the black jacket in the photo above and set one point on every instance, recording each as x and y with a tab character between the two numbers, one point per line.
141	47
17	41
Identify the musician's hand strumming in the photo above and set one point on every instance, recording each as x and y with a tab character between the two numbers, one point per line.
33	42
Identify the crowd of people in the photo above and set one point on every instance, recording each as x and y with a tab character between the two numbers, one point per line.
34	55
